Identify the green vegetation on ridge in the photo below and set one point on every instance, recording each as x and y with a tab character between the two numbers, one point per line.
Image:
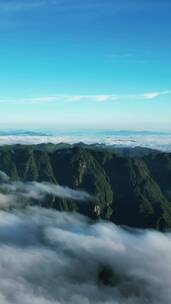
133	191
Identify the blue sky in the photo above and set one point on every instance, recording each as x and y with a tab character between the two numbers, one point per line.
85	64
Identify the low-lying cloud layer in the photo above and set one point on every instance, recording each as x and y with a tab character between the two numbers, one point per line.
47	257
12	193
131	139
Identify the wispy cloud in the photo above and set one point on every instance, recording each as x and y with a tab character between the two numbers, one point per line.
12	192
87	98
153	95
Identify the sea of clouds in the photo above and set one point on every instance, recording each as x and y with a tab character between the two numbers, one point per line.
153	140
47	257
51	257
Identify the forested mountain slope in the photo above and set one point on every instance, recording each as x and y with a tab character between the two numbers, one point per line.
129	190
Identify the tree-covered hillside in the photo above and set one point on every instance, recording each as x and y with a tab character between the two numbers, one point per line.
129	188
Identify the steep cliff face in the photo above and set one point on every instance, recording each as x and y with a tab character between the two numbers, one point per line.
77	168
160	169
133	191
138	200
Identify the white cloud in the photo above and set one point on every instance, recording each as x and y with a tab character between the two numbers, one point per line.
38	191
47	257
6	200
3	177
153	95
86	98
13	192
160	141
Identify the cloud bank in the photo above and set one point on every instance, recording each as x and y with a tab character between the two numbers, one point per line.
130	139
15	193
47	257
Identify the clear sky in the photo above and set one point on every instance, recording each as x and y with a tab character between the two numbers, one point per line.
85	64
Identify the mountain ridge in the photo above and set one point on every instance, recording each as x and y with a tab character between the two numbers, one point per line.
130	188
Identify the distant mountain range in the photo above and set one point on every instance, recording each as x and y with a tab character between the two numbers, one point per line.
131	139
22	133
131	186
